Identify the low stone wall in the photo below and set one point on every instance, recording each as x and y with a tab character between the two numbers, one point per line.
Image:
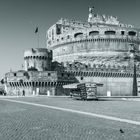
30	91
117	86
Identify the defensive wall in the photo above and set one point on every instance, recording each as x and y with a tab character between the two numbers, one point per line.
37	83
98	50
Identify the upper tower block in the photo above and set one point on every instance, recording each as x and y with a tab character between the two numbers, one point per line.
90	16
101	19
39	59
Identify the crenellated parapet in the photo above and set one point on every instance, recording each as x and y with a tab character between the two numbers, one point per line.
38	79
39	59
76	66
102	74
101	33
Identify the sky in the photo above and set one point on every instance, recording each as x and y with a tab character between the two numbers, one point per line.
19	19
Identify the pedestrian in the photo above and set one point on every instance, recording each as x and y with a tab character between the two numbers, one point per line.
4	93
23	93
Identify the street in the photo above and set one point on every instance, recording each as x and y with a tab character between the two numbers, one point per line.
56	118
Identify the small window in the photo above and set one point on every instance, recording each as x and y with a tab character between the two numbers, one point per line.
122	32
92	33
58	29
110	32
131	33
49	74
15	74
62	74
82	78
78	35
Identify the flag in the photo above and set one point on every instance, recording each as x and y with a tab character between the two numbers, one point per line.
36	30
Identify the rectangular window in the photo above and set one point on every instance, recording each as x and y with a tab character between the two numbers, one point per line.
122	32
58	29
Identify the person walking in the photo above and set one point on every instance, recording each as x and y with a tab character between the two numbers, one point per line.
23	92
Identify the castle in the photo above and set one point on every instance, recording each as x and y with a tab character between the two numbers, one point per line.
97	51
39	77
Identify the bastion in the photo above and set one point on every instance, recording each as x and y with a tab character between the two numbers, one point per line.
97	50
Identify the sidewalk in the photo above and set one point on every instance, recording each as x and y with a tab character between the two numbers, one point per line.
34	96
130	98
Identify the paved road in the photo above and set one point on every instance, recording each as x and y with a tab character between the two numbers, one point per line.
29	122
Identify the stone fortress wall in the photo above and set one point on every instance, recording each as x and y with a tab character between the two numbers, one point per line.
101	46
37	83
117	83
94	41
101	36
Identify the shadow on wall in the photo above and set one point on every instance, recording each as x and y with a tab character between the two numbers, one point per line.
57	66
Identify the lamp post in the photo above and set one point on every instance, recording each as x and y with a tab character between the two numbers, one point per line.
135	58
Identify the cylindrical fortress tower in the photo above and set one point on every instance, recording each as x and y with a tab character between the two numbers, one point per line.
101	40
38	58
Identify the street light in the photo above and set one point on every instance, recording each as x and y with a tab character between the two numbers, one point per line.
134	56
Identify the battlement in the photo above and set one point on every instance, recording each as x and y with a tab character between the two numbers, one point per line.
37	52
77	66
39	59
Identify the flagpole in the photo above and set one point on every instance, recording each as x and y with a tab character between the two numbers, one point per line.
38	38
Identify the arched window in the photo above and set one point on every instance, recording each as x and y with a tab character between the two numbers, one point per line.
132	33
92	33
110	32
78	35
122	32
